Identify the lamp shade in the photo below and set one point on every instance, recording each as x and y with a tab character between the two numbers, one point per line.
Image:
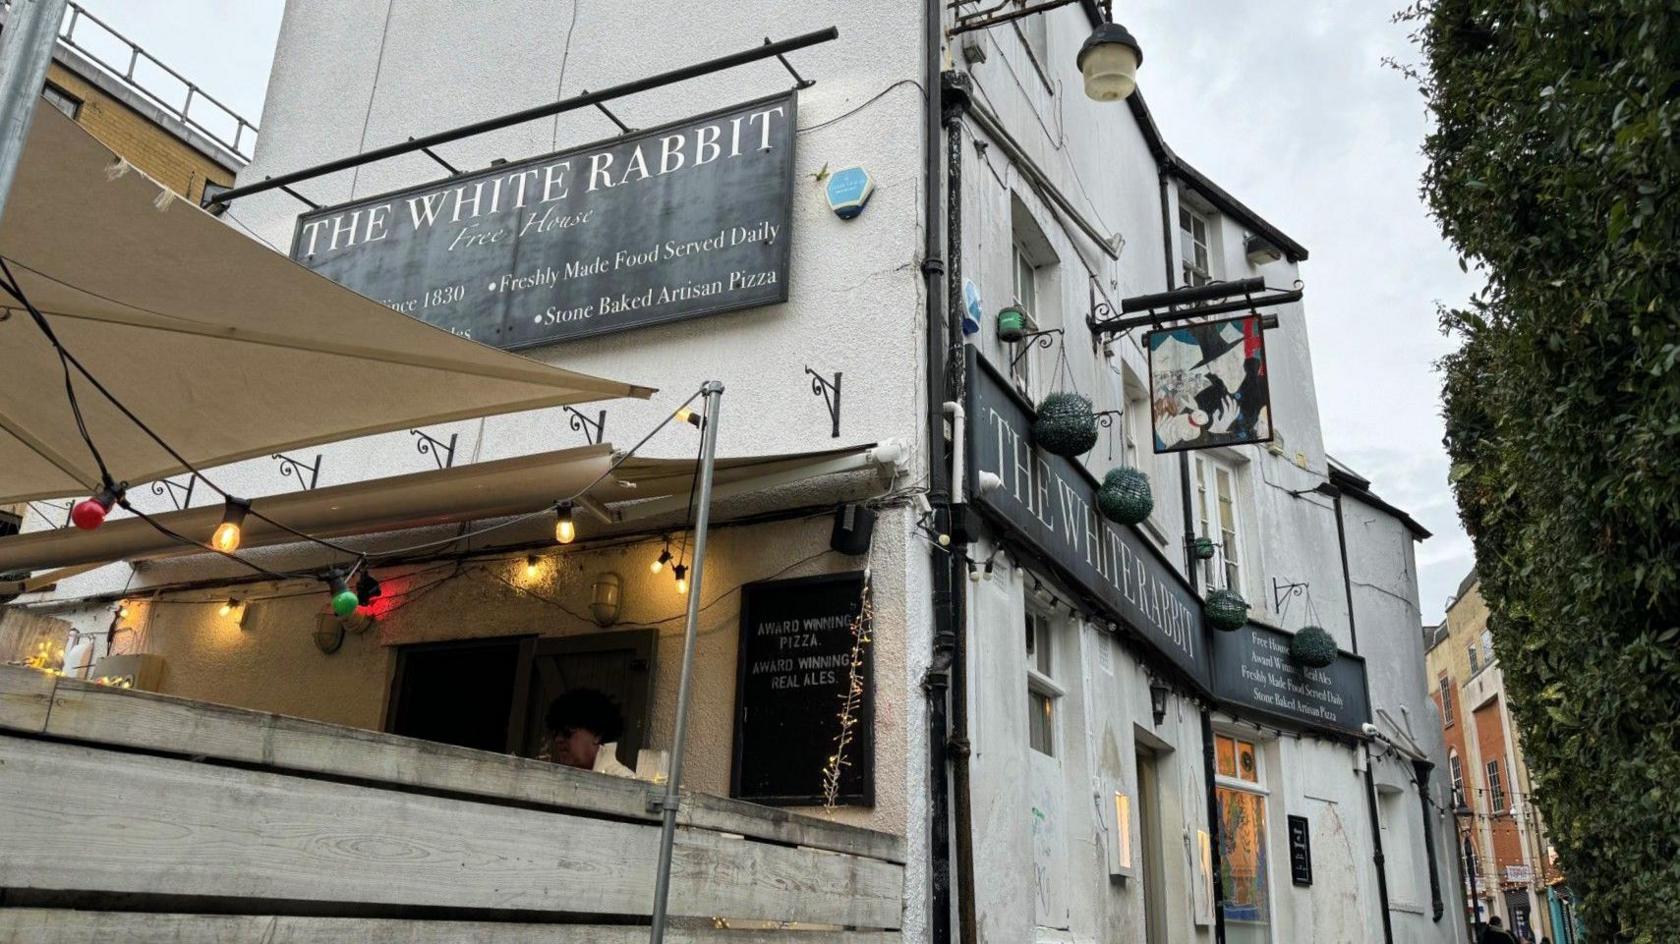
1109	61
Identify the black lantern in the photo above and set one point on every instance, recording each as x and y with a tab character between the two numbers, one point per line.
1158	691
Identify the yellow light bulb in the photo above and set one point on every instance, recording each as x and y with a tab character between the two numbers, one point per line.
656	566
683	414
565	530
226	538
226	608
531	566
682	584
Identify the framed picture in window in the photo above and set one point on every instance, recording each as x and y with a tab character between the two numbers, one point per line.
1208	385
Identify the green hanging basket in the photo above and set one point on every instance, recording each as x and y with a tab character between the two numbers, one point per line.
1313	647
1124	497
1065	425
1225	610
1202	548
1011	324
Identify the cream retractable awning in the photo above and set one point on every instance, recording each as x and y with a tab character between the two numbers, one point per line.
226	348
498	488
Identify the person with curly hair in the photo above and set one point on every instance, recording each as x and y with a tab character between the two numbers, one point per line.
583	730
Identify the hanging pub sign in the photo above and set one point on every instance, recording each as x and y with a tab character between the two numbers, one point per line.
675	222
1207	385
790	686
1051	503
1252	673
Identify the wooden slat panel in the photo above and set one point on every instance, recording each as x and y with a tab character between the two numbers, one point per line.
96	714
76	817
52	926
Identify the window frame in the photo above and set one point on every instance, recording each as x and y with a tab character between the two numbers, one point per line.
56	96
1229	558
1449	713
1455	774
1189	220
1258	789
1043	691
1021	360
1495	787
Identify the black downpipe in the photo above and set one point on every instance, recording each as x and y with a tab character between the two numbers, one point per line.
1370	781
936	684
1422	770
954	92
1209	770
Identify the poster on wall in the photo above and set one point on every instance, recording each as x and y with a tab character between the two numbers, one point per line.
792	681
687	219
1208	385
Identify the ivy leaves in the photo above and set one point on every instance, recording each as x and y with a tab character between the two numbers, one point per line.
1554	168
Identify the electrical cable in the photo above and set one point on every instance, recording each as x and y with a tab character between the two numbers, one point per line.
872	100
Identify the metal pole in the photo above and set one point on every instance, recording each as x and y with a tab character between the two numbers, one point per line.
713	391
26	48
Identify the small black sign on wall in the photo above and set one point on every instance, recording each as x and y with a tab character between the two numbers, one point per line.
1300	850
795	667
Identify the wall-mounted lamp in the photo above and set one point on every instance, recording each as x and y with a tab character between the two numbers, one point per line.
1158	691
1109	61
605	601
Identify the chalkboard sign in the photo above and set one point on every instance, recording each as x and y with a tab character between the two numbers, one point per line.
794	672
679	221
1300	851
1254	673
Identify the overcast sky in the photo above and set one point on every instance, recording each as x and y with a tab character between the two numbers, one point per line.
1285	104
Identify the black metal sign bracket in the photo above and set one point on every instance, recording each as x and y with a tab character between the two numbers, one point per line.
1193	303
1283	591
428	445
1032	339
830	392
585	425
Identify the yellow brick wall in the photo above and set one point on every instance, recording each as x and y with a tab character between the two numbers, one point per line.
154	151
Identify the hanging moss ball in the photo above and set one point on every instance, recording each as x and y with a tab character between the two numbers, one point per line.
1202	548
1065	425
1313	647
1225	610
1011	325
1125	497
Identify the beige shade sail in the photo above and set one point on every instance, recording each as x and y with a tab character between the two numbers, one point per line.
499	488
226	348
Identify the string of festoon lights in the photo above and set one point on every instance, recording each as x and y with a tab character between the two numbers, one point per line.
90	513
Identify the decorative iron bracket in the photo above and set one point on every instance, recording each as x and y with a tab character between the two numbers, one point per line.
1192	303
1283	591
830	392
1002	11
428	445
1031	339
294	468
1107	418
173	488
584	424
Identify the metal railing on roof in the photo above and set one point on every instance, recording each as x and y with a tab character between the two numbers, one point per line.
243	133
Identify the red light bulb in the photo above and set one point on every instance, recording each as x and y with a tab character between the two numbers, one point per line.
89	513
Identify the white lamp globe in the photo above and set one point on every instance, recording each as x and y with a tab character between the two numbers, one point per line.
1109	61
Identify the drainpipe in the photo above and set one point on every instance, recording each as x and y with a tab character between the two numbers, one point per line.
1370	781
955	101
936	683
1422	769
1209	770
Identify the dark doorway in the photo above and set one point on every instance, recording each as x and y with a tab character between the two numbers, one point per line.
493	694
1151	843
462	692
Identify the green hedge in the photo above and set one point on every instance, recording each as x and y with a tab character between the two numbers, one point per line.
1554	168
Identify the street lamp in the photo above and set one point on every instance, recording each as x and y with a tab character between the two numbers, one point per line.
1109	61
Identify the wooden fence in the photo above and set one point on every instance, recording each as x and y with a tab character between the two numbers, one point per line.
138	817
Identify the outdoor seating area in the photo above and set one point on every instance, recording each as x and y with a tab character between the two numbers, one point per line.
158	818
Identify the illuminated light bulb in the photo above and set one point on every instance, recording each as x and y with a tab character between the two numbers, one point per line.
681	573
565	529
226	537
660	562
227	608
686	415
944	540
973	573
89	513
122	611
531	566
344	600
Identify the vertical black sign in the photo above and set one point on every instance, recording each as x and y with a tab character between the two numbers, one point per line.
794	672
1051	503
688	219
1300	850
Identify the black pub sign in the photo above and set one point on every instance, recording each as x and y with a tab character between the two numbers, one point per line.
1300	851
679	221
1050	502
1252	672
792	680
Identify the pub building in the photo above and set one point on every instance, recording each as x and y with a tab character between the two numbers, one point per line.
970	684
